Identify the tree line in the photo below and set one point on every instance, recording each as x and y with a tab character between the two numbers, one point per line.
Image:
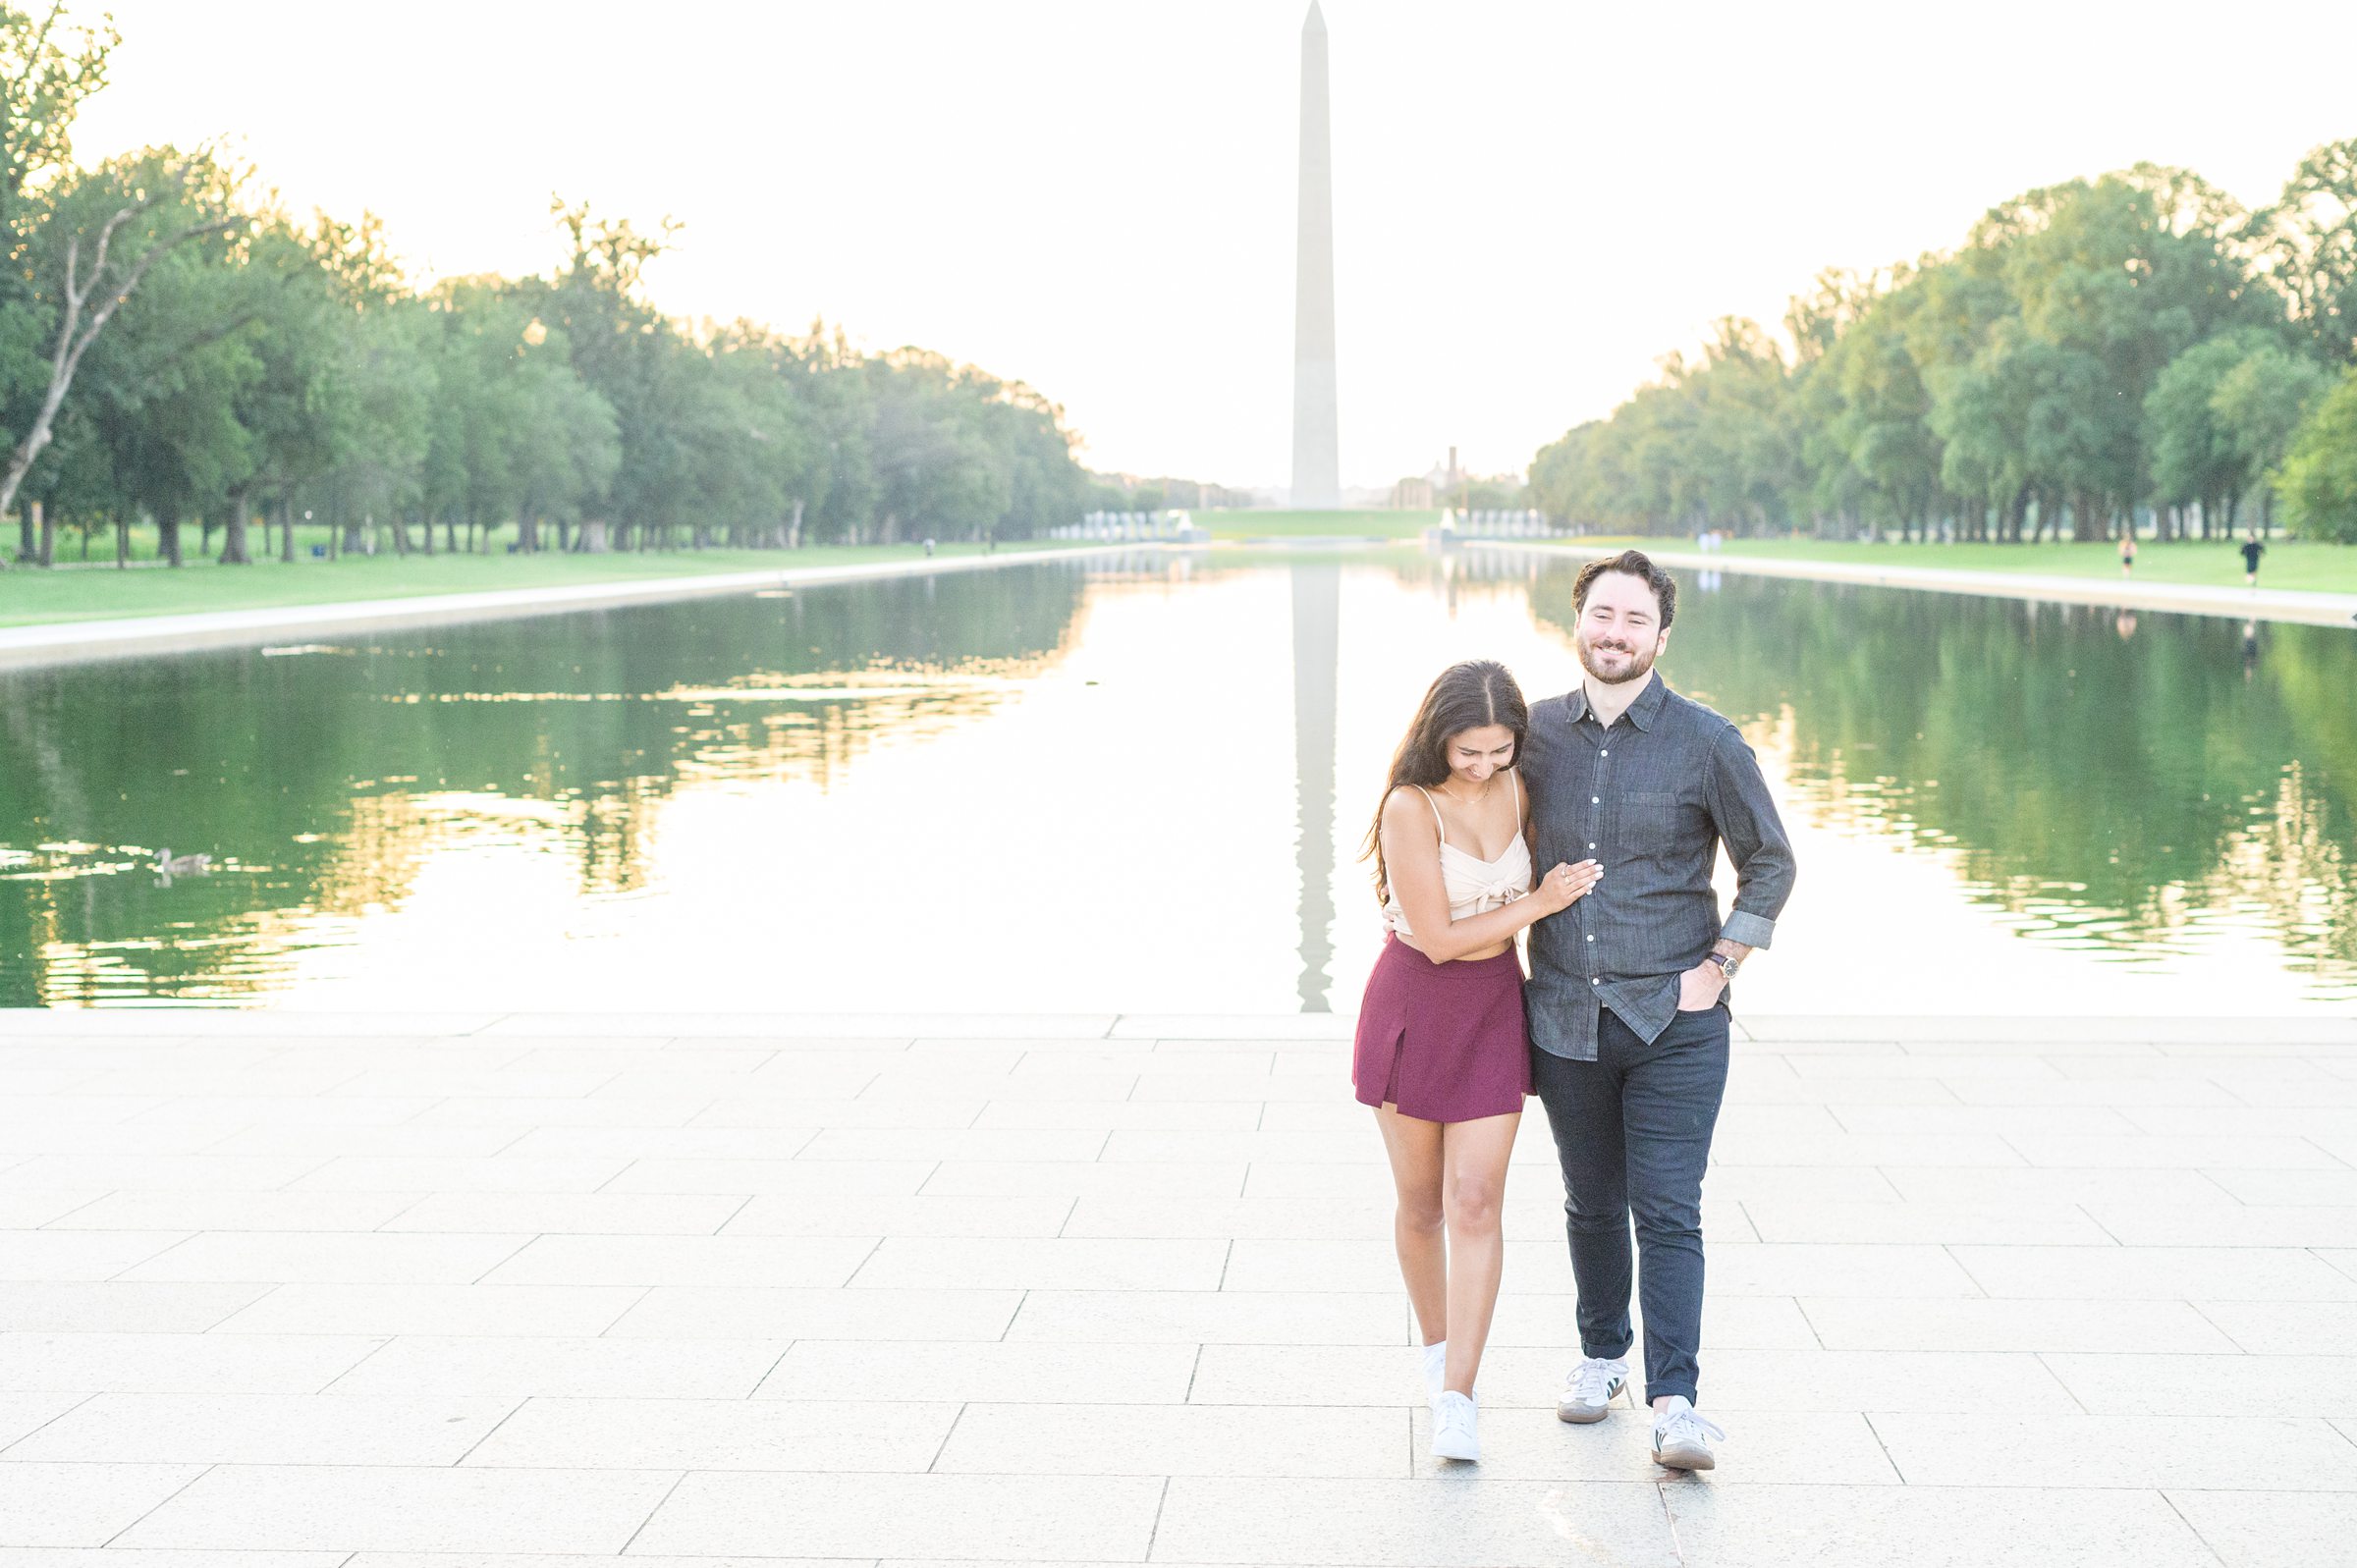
178	352
2137	346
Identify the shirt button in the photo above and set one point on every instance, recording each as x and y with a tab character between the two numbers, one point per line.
1594	981
1591	935
1595	800
1605	752
1591	844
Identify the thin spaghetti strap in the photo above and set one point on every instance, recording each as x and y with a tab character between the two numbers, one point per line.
1436	812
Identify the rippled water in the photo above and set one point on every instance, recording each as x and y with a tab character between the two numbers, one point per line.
1142	785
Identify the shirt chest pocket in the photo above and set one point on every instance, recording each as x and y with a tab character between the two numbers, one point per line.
1650	818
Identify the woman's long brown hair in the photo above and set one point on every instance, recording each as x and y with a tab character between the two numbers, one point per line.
1466	696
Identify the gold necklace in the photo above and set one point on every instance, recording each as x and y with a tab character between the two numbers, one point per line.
1461	800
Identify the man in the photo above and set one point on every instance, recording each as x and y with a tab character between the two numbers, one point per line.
1627	990
2252	550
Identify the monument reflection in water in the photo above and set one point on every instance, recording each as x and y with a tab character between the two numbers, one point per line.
1142	785
1317	658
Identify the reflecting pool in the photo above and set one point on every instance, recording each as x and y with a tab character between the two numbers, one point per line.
1142	784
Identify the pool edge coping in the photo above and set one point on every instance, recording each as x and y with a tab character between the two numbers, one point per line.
79	641
2300	607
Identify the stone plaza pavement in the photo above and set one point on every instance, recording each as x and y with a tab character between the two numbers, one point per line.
299	1290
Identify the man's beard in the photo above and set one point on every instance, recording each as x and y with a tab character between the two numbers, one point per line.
1640	662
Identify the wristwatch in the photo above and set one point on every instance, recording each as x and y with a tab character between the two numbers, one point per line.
1726	966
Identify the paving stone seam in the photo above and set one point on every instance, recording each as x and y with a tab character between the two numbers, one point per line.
513	1411
161	1504
645	1291
520	1247
51	1422
933	1465
677	1481
325	1389
754	1393
1801	1307
2168	1497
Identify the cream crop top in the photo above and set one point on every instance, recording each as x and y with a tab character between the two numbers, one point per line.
1474	886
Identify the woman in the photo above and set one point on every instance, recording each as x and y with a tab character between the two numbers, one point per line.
1440	1053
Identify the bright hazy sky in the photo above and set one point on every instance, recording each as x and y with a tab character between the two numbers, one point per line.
1533	202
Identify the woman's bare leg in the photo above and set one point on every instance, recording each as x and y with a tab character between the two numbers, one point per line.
1473	1195
1418	1227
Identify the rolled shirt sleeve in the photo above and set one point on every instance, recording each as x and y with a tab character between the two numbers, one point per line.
1745	816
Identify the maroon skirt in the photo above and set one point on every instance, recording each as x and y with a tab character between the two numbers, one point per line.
1444	1042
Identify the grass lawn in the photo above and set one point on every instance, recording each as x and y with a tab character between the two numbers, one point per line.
1372	524
2215	563
31	597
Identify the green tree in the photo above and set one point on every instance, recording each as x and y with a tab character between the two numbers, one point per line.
515	436
294	408
162	388
1869	413
2259	405
2319	475
938	473
2196	456
1045	485
2308	243
772	378
631	356
845	487
386	427
99	239
47	72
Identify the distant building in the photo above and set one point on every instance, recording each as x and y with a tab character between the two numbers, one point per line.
1445	484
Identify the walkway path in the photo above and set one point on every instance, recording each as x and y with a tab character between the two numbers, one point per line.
64	641
2238	604
893	1290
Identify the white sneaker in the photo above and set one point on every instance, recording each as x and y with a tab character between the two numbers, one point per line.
1681	1438
1453	1433
1589	1390
1436	1368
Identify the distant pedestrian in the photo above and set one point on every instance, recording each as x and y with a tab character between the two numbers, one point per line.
928	549
2252	550
2127	553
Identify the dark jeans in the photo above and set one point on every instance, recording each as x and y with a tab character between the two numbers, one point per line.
1632	1129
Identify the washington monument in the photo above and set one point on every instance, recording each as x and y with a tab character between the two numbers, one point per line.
1317	463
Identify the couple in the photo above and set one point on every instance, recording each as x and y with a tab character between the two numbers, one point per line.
1625	790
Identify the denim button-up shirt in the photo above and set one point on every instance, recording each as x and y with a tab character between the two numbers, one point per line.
1651	799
